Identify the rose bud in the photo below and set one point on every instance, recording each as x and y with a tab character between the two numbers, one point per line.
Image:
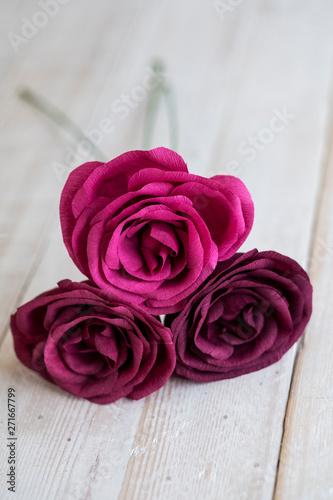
143	227
93	345
246	316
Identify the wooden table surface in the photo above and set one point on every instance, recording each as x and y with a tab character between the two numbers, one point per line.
253	81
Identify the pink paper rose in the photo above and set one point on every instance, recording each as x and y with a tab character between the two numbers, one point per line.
92	345
246	316
143	227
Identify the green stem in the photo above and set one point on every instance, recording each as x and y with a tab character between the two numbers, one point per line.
163	89
59	118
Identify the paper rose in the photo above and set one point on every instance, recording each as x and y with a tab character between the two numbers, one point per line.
246	316
142	226
91	345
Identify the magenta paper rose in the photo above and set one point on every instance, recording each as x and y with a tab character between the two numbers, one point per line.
246	316
91	345
142	226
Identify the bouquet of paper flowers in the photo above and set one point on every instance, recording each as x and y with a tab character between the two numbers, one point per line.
153	240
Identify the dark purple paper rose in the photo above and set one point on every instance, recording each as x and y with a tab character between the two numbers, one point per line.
246	316
92	345
145	228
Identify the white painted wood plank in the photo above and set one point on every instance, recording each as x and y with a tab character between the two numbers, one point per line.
73	76
66	447
85	475
284	180
306	463
218	440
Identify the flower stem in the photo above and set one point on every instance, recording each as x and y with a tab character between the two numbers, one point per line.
59	118
162	89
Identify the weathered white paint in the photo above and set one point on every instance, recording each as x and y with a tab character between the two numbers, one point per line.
213	441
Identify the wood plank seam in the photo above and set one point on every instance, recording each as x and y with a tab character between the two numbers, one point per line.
41	250
319	204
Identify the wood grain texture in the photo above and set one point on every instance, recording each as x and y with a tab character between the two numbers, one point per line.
232	76
306	462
